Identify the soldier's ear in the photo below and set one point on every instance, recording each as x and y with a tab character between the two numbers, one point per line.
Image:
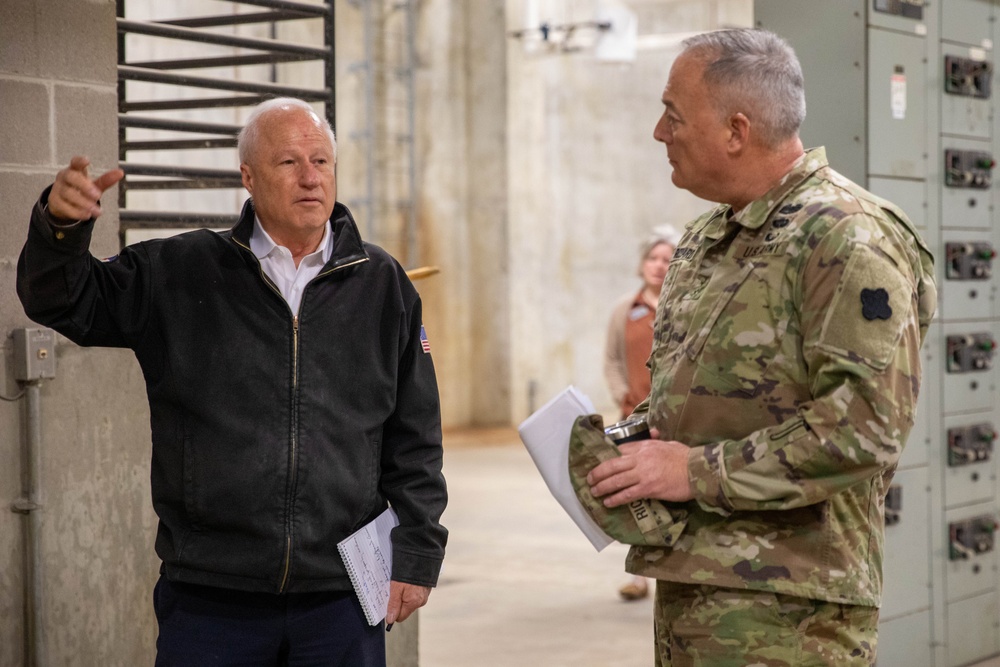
739	132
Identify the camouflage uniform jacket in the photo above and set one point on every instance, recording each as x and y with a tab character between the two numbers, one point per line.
786	356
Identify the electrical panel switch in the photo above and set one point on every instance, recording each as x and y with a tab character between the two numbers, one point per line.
893	504
970	444
968	169
970	352
965	76
969	261
912	9
971	537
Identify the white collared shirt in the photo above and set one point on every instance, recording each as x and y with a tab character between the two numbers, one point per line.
277	263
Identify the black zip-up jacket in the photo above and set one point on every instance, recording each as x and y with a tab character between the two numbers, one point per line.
274	437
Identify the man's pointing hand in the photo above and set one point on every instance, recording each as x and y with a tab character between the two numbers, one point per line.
74	196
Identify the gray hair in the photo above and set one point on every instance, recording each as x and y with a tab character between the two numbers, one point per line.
660	234
754	72
663	234
246	142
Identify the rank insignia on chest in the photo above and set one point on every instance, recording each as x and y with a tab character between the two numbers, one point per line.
684	254
875	304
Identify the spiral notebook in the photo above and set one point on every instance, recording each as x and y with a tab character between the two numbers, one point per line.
367	555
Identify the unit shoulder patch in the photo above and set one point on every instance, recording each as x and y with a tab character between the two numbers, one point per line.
869	309
875	304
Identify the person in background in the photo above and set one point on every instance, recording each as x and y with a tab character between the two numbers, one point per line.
785	372
630	340
292	399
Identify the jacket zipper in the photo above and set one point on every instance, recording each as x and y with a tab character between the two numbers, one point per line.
293	454
294	438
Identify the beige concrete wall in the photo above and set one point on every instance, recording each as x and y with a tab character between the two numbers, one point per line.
537	179
58	92
462	143
587	183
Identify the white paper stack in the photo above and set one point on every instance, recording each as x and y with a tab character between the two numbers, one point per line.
545	434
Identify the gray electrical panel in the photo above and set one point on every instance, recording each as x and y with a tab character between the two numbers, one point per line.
901	94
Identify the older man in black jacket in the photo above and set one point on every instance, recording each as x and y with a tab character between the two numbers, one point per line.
292	398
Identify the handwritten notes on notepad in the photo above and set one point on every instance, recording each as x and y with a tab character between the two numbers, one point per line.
367	555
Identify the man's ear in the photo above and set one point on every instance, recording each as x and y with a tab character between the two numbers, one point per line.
246	177
739	132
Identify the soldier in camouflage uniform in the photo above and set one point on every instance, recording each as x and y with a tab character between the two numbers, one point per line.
785	375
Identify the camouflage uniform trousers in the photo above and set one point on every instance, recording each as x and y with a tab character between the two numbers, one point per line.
707	626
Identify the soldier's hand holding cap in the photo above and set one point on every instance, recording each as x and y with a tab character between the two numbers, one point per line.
646	469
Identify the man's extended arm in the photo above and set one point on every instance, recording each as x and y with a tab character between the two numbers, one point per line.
59	282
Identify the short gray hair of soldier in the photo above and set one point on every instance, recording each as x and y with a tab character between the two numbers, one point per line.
757	73
246	142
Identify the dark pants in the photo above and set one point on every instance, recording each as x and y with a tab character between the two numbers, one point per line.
203	626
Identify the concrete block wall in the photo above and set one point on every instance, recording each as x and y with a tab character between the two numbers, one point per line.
57	99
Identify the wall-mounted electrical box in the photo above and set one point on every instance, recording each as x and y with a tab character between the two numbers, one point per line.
968	169
970	352
34	354
970	444
969	261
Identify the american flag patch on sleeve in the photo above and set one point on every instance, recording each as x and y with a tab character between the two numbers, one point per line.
424	343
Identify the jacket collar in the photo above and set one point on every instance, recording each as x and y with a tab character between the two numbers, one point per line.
715	223
755	213
348	248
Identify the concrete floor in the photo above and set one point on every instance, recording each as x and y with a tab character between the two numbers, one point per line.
521	586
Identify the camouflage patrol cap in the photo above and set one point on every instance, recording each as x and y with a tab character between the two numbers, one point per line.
642	522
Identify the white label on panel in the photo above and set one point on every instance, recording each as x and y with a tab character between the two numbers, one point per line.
897	96
920	29
977	54
988	44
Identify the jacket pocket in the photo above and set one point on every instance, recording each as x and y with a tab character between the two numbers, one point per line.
374	485
738	336
191	482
